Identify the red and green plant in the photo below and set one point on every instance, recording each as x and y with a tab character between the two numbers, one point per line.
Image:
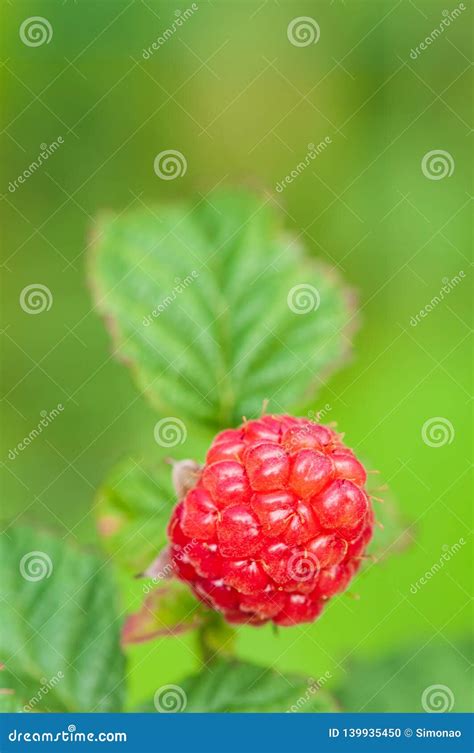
217	310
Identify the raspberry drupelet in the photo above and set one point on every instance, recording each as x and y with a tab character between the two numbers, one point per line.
276	524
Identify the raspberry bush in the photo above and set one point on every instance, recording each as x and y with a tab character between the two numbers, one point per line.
276	523
278	519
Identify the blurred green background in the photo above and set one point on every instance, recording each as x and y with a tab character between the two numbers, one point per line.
231	93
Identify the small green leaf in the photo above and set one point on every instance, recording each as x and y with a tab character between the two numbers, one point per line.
215	308
234	686
168	610
133	509
60	627
430	677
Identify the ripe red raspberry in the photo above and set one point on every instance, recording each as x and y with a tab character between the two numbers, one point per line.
276	523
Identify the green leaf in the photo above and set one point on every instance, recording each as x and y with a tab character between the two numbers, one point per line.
9	703
410	680
59	638
133	508
205	304
234	686
168	610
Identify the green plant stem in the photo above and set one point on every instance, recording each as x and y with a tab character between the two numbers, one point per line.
215	639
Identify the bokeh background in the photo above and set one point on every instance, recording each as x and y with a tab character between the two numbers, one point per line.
232	94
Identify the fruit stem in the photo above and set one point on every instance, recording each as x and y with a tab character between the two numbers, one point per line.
215	638
206	652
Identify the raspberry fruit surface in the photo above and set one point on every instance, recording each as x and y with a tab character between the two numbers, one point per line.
276	524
